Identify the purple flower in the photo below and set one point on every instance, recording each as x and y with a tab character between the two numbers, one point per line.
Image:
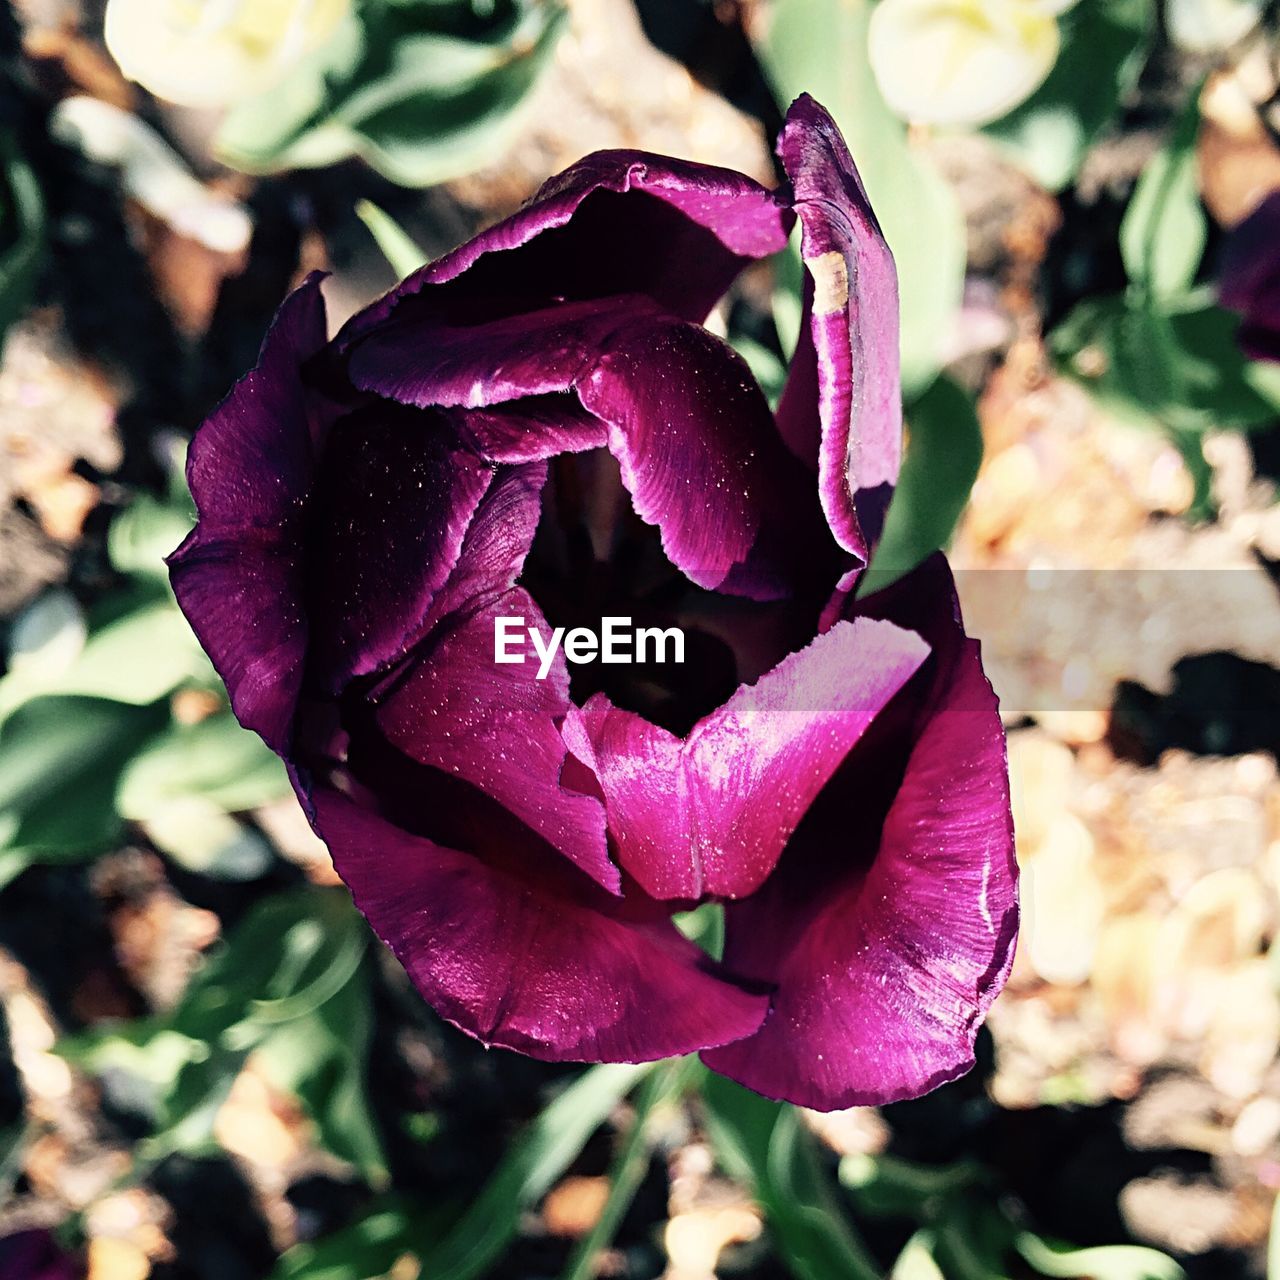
1249	281
537	426
34	1255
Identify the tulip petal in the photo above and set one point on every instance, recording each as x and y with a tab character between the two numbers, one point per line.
398	493
1250	279
617	222
521	967
680	410
708	815
496	725
238	576
886	953
842	404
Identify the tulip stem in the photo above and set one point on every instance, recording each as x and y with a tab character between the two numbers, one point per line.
630	1163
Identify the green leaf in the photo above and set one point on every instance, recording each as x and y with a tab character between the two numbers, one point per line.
215	759
915	207
137	656
424	90
528	1171
289	983
916	1261
764	1144
368	1249
320	1059
473	1243
145	532
1109	1262
944	451
767	369
1163	234
21	232
391	238
884	1186
1175	366
205	839
60	761
662	1087
1104	45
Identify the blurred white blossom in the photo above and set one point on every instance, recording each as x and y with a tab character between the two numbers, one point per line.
1203	26
213	53
962	62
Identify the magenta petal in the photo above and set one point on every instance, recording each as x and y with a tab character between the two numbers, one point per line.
1249	279
238	576
680	410
515	965
496	726
398	493
617	222
708	815
489	363
531	429
848	350
698	450
888	947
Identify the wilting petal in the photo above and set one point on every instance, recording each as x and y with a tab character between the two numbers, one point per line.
617	222
397	492
238	577
888	946
496	726
842	404
709	814
550	976
1250	279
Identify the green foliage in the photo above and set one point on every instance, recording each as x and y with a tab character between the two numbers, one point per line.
21	231
91	744
944	451
423	90
391	238
820	47
1163	354
765	1145
1104	46
1163	234
61	759
1173	365
291	985
664	1085
467	1246
965	1232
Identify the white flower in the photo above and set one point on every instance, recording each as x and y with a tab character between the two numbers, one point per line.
212	53
962	62
1203	26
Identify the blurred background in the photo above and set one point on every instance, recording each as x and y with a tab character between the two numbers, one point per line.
208	1066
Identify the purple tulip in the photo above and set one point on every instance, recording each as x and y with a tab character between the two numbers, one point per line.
1249	281
35	1255
537	426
